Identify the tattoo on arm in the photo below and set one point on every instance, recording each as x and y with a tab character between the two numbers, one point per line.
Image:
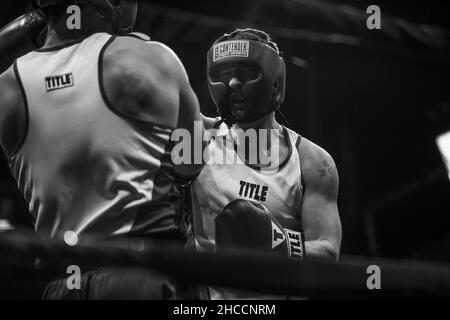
329	171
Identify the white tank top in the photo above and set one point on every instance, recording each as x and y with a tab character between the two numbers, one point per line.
83	166
280	190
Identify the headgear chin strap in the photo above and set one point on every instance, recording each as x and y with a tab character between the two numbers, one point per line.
123	16
265	92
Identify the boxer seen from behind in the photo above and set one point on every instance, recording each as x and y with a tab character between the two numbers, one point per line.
86	123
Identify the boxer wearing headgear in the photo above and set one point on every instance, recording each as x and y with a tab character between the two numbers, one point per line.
86	124
263	91
287	206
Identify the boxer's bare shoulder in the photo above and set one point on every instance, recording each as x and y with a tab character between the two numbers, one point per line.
319	168
13	112
143	79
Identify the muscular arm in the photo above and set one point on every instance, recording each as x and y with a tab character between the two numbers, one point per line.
143	80
12	113
147	81
319	212
190	119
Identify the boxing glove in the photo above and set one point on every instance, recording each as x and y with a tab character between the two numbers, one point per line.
21	36
249	225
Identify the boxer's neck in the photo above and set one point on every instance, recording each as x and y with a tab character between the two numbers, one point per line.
273	138
266	122
59	31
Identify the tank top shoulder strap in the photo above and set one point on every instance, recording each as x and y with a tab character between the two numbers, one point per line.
296	139
138	35
218	122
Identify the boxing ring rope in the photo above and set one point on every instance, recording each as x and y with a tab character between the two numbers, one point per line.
259	272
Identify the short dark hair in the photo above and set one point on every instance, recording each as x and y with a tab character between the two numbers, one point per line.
249	34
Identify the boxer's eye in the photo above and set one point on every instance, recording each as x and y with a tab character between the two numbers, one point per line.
241	72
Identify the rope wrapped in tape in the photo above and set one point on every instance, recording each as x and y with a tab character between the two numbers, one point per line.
259	272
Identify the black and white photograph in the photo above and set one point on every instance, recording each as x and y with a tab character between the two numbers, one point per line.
225	156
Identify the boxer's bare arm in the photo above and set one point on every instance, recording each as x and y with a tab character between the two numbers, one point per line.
319	212
143	80
147	81
189	118
13	113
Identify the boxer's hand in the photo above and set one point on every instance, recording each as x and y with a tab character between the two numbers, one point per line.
21	36
247	225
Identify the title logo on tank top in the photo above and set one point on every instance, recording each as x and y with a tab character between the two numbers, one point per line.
58	82
253	191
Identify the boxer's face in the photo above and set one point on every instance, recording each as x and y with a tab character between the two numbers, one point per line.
234	76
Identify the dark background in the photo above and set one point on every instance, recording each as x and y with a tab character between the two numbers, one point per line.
374	99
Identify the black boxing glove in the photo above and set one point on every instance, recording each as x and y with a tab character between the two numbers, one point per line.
249	225
21	36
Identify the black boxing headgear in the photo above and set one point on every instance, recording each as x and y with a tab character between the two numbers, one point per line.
265	92
122	13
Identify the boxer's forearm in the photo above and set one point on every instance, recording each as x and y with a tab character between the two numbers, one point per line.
321	249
